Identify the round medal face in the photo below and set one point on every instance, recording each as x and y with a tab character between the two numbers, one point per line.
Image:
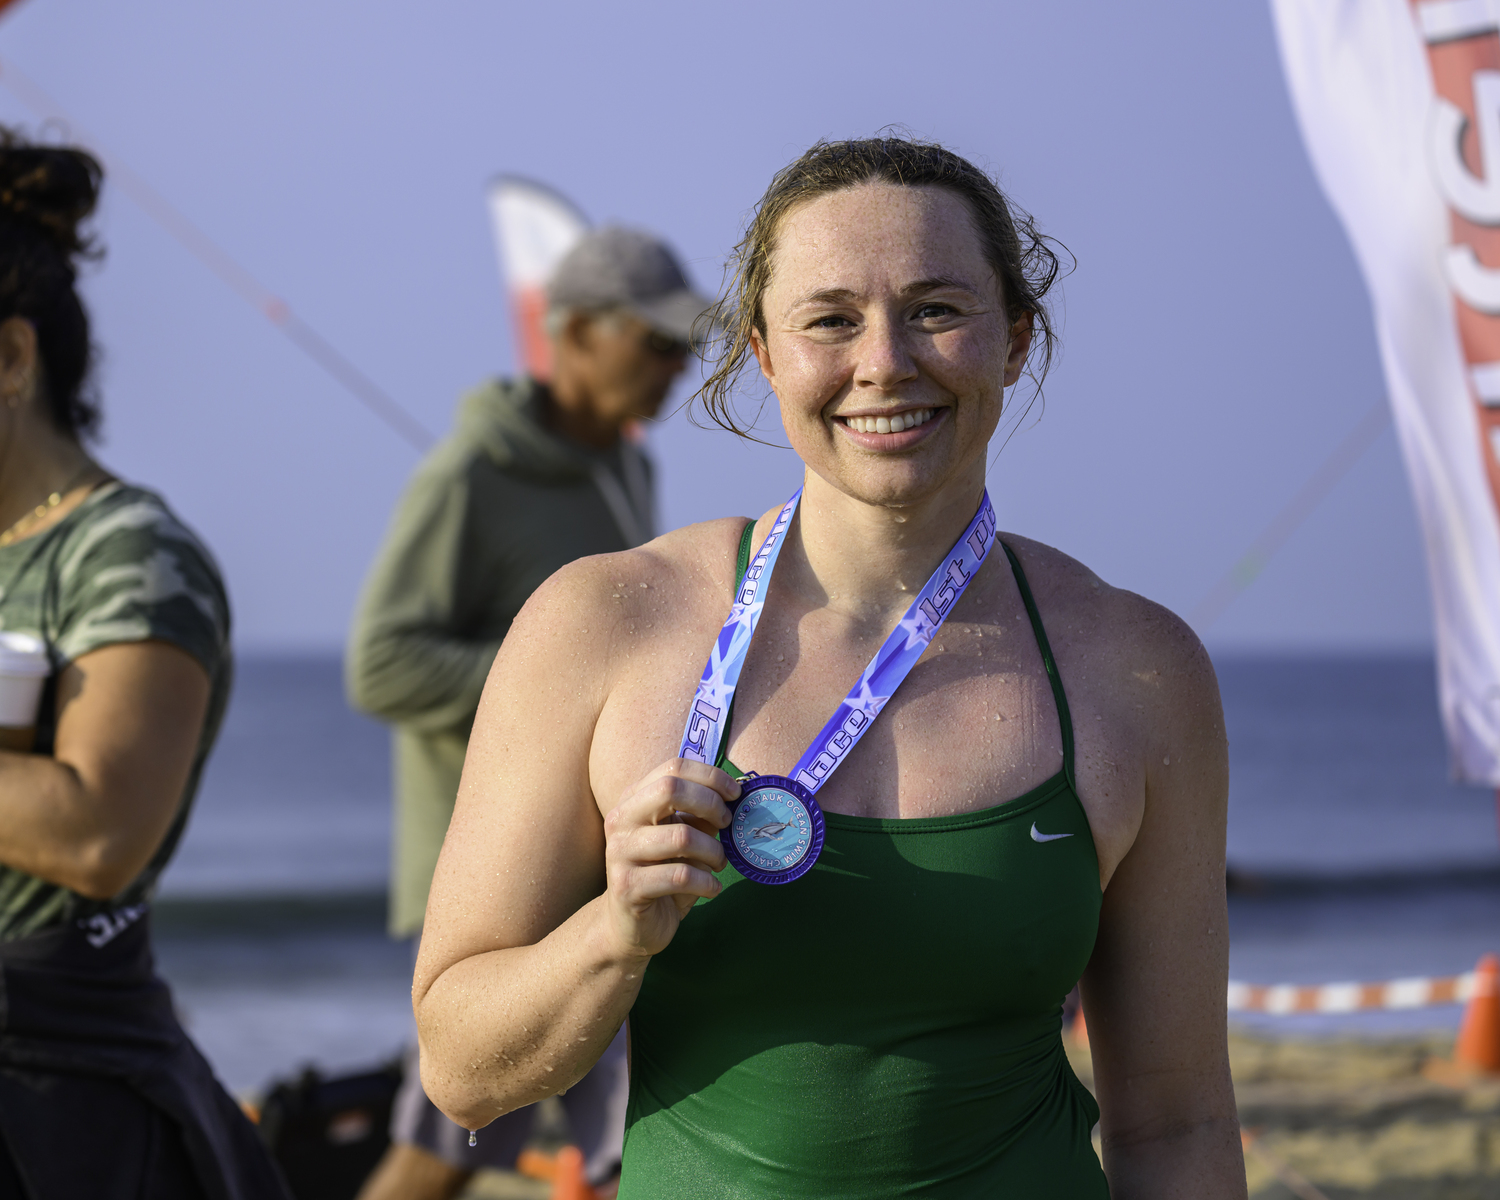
775	830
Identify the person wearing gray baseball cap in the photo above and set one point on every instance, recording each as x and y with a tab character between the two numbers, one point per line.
535	475
627	269
621	316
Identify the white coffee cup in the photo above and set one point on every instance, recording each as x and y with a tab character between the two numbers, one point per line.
24	667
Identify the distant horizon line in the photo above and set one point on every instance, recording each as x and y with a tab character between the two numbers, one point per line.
1218	648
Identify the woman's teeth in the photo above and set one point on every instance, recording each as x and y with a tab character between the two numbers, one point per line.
895	424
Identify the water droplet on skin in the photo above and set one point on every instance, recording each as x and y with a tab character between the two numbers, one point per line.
473	1138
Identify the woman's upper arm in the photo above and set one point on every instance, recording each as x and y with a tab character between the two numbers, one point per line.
1155	992
143	628
525	847
129	717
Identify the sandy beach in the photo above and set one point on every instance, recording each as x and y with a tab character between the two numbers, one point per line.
1360	1119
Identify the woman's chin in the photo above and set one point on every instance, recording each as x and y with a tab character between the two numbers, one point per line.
891	484
895	481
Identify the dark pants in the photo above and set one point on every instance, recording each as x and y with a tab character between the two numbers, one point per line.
102	1095
142	1154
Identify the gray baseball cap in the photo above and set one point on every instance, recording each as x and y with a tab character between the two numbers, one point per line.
613	267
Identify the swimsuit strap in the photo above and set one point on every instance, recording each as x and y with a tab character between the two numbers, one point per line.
1064	717
742	564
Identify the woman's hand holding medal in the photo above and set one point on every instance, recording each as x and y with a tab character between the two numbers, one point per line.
661	850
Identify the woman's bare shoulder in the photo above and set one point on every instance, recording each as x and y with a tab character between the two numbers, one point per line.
654	587
1114	635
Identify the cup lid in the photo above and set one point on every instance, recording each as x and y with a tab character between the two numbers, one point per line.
22	654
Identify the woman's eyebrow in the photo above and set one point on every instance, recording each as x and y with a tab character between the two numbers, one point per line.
937	283
823	296
844	295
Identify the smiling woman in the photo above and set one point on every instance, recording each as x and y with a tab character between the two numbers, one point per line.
843	970
1022	259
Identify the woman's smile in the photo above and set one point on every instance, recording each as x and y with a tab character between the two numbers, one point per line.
887	342
891	431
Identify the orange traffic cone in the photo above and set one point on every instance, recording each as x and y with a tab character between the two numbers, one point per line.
568	1180
1478	1045
535	1165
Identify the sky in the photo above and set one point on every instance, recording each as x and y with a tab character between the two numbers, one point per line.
1216	337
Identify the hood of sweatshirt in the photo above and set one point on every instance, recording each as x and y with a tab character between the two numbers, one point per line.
504	417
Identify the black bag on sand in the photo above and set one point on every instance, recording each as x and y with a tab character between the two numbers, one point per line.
328	1134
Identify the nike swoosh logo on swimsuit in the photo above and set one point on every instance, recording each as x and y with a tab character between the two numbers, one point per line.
1046	837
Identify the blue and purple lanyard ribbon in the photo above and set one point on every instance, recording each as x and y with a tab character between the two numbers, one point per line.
879	681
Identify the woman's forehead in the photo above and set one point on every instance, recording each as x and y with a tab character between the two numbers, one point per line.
877	234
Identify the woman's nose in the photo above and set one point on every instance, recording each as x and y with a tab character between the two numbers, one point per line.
884	359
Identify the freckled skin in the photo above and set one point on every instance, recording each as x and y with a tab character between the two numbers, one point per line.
880	301
844	338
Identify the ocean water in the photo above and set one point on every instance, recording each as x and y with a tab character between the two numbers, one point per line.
1338	770
295	799
1352	857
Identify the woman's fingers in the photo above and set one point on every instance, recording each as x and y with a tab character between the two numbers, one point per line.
662	848
709	827
660	881
678	786
679	842
689	771
693	770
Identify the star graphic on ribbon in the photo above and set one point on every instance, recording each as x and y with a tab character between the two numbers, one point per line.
716	692
919	629
865	700
742	618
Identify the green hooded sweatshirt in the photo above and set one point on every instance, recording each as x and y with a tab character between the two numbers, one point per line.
491	512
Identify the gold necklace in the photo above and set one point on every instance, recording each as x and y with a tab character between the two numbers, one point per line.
41	510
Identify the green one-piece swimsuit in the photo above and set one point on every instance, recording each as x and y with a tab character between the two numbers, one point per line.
887	1025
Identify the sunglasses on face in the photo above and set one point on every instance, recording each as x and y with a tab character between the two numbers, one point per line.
665	345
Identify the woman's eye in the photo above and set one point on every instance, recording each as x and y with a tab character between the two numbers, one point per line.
928	312
832	322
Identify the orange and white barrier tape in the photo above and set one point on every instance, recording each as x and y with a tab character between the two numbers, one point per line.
1283	998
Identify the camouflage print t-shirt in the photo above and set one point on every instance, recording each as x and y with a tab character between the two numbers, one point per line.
118	568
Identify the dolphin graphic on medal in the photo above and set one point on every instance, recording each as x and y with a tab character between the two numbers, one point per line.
775	831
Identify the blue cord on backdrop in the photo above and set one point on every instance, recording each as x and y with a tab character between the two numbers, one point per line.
222	264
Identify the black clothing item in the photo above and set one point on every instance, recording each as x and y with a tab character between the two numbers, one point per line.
141	1153
102	1095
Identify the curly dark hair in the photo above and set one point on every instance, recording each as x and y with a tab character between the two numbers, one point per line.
46	193
1022	258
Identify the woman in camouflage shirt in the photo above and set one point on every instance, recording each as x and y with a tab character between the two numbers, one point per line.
101	1093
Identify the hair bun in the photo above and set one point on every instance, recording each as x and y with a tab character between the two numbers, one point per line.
51	188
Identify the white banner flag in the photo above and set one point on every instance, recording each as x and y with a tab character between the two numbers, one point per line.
534	227
1399	103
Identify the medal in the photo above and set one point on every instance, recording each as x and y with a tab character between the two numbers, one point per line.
775	832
